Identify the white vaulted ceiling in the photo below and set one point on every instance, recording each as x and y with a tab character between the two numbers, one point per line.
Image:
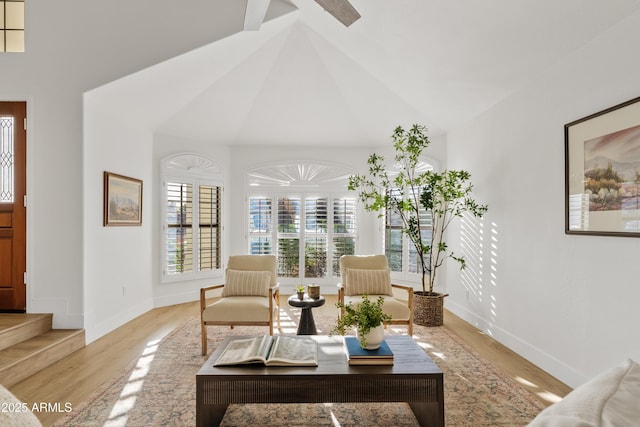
304	78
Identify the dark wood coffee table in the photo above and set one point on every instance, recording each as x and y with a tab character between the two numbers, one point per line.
414	378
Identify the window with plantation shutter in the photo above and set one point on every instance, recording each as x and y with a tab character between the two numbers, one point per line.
311	235
393	237
192	218
315	243
344	229
309	225
288	236
209	226
260	226
179	228
401	252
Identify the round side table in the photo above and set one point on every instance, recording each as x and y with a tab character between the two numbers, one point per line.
307	325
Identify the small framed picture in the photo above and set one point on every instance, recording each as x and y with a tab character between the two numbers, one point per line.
602	172
122	200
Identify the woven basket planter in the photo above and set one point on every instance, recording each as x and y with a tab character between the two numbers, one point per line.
428	309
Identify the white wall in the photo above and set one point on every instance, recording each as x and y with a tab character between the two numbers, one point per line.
567	303
116	259
71	48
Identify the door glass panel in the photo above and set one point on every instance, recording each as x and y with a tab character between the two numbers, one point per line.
6	160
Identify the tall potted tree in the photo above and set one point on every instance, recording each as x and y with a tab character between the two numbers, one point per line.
416	196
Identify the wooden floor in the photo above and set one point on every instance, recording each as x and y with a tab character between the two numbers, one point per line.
74	378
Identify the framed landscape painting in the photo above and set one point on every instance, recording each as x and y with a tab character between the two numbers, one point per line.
602	172
122	200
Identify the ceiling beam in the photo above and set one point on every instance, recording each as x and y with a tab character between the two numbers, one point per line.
255	13
342	10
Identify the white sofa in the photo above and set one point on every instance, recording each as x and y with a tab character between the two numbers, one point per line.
611	399
14	413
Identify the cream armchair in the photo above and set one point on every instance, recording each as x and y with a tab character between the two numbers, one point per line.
370	275
249	297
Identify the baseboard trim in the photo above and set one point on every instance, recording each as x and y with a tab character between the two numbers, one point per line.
535	355
95	331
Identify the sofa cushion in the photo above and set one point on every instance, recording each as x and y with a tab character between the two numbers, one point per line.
607	400
246	283
369	282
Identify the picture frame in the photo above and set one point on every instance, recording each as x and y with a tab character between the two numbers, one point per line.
602	172
122	200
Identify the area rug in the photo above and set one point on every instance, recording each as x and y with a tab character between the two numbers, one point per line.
160	389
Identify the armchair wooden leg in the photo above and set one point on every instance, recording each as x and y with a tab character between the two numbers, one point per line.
204	338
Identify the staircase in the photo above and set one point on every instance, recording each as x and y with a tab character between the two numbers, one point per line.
28	344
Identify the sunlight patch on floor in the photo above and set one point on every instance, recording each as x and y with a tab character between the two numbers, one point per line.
424	345
334	420
288	324
438	355
525	382
549	397
546	395
127	400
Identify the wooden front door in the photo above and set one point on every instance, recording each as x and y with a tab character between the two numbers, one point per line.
13	213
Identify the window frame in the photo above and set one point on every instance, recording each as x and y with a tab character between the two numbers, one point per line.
197	171
405	275
303	234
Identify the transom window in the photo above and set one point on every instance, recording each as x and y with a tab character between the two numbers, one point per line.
11	25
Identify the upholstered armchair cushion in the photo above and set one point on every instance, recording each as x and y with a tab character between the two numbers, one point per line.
246	283
255	263
368	282
238	309
398	299
397	309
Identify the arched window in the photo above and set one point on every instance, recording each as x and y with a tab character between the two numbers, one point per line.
302	212
192	223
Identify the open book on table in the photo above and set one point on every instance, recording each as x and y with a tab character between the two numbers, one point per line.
270	350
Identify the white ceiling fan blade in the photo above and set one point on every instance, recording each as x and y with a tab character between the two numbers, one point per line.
255	13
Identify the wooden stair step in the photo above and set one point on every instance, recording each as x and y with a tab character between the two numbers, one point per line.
27	357
15	328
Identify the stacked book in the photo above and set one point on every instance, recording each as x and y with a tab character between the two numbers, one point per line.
359	356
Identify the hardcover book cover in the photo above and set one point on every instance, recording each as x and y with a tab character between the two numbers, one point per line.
359	356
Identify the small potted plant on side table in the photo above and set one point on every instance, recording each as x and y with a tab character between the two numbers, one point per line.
300	291
367	318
